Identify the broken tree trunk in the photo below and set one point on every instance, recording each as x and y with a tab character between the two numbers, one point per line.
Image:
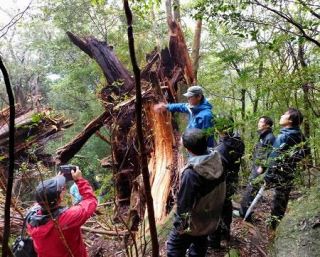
160	80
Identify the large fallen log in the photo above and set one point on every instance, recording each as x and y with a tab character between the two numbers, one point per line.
163	74
66	152
33	130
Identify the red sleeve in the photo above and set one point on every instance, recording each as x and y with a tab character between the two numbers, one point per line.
77	215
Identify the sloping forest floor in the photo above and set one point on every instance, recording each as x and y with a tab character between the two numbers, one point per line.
247	239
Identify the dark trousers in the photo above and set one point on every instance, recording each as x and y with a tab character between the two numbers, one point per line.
247	198
280	201
249	194
178	244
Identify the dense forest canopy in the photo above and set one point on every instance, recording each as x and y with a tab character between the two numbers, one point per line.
253	58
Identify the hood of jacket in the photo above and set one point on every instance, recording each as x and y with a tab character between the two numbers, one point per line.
204	105
208	166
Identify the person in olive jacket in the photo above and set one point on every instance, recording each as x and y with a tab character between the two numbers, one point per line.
199	200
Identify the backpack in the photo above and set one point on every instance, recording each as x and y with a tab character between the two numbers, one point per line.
205	216
23	245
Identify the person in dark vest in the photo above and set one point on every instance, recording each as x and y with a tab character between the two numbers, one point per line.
59	234
231	149
259	160
288	149
198	109
197	214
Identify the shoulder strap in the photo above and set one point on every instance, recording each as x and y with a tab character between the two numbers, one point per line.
31	212
35	221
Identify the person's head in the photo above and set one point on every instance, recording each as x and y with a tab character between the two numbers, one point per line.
224	124
195	141
50	192
291	118
194	95
265	123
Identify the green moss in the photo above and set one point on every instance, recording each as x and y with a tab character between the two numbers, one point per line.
299	232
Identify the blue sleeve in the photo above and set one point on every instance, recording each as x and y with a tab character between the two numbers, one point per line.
179	107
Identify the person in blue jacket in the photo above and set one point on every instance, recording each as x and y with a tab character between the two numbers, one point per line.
74	191
198	108
288	149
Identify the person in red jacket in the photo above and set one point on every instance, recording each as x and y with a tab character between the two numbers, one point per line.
56	230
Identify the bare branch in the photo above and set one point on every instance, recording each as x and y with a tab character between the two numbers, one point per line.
13	21
290	20
309	9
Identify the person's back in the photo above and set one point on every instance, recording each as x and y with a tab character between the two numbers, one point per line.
203	176
61	236
197	214
231	150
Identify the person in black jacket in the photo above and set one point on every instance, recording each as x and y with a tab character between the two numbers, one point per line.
231	150
199	200
288	149
259	158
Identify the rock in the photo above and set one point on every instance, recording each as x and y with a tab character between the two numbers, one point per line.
298	234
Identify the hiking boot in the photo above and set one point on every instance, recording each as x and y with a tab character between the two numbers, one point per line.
214	245
214	241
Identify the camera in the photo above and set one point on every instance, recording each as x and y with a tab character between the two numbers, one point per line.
66	171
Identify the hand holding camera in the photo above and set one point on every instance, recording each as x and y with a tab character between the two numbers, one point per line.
70	172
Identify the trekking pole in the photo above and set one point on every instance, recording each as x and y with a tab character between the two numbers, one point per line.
255	201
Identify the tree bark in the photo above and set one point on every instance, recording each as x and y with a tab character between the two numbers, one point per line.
160	80
176	10
6	230
142	151
196	48
66	152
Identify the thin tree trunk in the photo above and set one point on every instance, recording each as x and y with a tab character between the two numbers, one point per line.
196	48
305	88
243	104
142	152
6	231
169	10
176	10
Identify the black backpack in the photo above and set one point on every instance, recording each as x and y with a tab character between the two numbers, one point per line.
23	245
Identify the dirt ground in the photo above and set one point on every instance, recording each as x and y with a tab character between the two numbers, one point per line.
247	239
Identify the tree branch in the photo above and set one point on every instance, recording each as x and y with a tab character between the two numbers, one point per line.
290	20
142	152
6	230
13	21
309	9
